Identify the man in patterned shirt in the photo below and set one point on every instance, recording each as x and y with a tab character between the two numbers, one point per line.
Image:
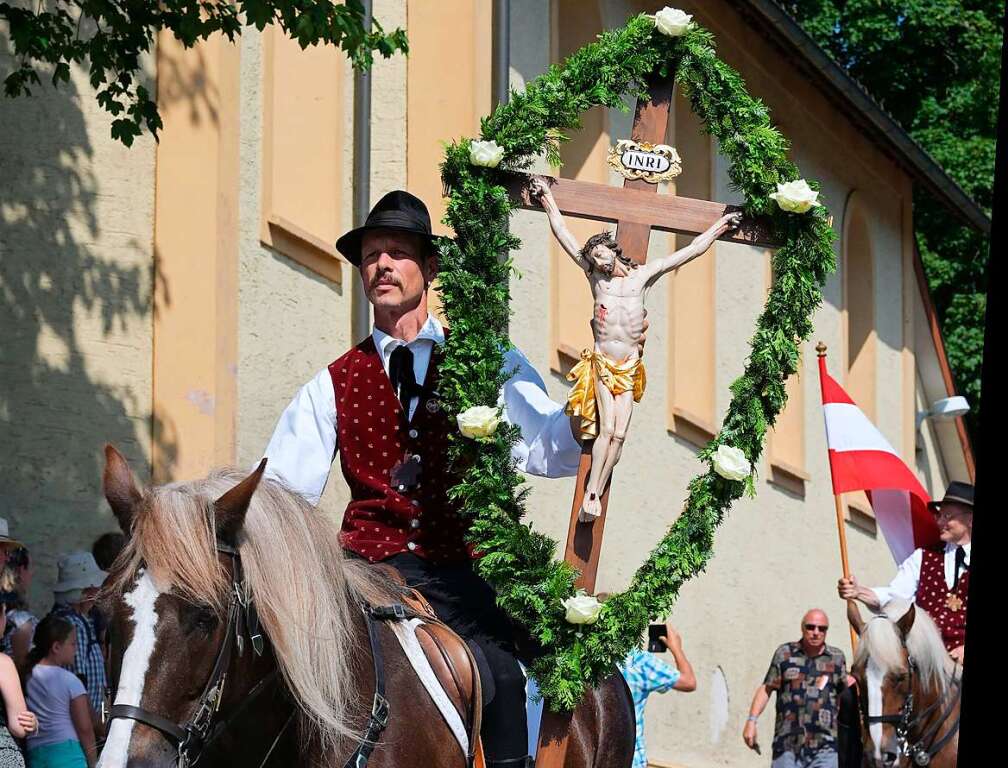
645	674
808	677
75	591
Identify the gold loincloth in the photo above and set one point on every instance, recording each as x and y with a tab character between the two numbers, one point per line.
617	378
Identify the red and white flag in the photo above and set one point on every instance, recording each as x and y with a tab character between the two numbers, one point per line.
861	459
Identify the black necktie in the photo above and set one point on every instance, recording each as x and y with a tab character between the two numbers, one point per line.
402	376
960	564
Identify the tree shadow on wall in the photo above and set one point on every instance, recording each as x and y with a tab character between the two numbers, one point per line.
75	313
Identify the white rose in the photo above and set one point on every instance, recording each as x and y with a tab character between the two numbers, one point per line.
485	153
795	196
731	463
478	422
582	608
672	21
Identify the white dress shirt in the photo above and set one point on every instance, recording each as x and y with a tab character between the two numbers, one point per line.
303	445
430	334
904	585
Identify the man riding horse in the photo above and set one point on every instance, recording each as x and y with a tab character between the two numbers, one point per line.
379	406
937	580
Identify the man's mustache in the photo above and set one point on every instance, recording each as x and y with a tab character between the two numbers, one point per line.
385	277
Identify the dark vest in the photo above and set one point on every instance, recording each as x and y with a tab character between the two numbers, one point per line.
932	596
373	436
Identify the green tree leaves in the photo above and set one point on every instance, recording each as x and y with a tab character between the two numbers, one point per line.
110	39
934	65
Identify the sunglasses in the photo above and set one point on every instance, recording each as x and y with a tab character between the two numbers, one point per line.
821	627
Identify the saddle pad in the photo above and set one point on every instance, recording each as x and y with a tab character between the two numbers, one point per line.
405	632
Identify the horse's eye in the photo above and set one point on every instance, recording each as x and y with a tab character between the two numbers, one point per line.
207	620
200	618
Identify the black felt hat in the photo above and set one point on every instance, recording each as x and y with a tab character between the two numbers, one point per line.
398	210
960	493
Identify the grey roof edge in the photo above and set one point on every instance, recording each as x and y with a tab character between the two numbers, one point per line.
877	121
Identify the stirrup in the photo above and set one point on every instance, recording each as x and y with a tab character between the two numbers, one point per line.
515	762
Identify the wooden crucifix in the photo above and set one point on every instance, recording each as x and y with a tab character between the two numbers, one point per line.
636	209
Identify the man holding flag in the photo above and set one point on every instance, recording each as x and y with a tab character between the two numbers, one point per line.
937	579
930	540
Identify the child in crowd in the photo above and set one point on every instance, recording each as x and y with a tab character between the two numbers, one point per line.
65	736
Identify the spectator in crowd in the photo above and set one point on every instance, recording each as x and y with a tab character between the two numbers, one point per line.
106	549
75	593
65	735
645	674
7	543
808	677
16	721
15	581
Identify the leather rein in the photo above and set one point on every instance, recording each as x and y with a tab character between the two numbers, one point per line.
922	748
199	733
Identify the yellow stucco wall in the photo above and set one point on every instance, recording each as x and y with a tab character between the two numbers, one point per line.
294	321
196	254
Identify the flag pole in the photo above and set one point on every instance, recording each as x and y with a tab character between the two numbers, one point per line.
841	528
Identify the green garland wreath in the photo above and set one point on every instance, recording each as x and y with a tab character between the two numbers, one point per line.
474	276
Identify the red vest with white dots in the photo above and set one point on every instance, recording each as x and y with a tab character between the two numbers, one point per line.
933	596
373	436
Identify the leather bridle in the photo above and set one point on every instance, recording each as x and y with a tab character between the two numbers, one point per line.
199	733
923	747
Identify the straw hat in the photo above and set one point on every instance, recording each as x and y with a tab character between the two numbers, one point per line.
5	539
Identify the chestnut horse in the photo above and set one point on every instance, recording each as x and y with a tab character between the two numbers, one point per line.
207	563
909	689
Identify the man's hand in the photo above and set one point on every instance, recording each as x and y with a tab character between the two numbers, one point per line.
671	638
848	589
958	654
749	736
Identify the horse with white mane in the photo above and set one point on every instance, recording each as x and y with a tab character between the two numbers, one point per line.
909	688
209	562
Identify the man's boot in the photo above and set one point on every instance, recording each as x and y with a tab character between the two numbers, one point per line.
514	762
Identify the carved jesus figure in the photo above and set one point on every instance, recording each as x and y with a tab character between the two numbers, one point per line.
610	379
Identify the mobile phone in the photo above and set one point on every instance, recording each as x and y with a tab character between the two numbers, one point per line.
655	633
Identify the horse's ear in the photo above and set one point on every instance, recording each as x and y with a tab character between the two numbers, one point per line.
906	621
232	506
120	488
854	616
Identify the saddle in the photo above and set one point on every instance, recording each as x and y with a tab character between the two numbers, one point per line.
452	663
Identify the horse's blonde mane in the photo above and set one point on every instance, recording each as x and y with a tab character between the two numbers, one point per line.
881	641
304	589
